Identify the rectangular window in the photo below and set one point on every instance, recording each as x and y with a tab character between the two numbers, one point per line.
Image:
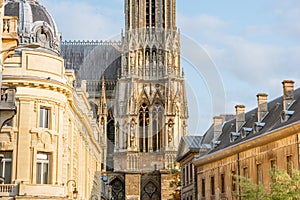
273	165
246	172
212	185
44	117
289	165
191	173
42	168
233	181
187	174
259	174
203	187
222	183
183	176
6	166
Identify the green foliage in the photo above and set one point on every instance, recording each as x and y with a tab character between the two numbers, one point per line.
285	186
282	187
249	190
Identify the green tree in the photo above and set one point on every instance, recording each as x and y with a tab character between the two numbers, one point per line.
249	190
284	186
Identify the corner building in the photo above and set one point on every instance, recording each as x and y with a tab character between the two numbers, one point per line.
53	141
150	102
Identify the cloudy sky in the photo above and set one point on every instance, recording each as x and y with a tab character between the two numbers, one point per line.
231	50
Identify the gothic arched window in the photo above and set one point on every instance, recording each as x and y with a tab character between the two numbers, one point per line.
144	121
157	127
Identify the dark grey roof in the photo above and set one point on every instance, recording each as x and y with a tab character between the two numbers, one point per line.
272	121
91	59
39	12
193	142
209	134
188	144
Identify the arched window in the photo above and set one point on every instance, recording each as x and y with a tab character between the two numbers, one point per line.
157	127
144	121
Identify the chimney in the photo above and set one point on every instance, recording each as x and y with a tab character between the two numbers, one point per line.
218	124
262	107
240	117
288	93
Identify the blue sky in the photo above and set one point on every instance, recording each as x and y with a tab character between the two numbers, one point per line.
247	47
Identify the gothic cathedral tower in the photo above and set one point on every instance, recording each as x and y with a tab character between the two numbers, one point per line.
151	109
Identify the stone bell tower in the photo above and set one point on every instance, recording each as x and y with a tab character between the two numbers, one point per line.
151	108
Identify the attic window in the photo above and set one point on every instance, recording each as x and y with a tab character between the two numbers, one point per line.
245	131
258	126
216	143
286	114
233	136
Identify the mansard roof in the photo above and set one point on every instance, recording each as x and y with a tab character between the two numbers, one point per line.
188	144
270	123
90	59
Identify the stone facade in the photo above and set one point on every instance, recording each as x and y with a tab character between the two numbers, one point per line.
51	147
150	110
189	149
143	108
250	145
8	42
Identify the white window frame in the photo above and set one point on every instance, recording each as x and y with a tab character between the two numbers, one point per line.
4	162
44	117
44	160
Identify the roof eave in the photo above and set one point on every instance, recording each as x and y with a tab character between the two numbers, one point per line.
273	135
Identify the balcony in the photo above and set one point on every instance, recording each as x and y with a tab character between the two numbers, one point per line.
7	105
8	190
9	33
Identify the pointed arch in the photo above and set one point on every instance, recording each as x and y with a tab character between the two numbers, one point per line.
118	188
157	126
144	131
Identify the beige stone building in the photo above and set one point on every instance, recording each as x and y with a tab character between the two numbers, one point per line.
189	149
51	147
250	145
8	41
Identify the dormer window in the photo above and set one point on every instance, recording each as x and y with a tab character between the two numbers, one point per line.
258	126
216	143
245	131
233	136
286	114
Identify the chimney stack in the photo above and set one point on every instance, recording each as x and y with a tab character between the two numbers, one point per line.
240	117
262	108
218	124
288	93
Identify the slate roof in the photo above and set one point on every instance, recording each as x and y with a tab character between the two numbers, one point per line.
272	121
90	60
189	143
209	134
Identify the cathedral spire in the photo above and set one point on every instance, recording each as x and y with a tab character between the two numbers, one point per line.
103	104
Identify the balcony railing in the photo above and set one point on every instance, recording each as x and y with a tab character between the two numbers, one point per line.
9	26
8	190
7	104
7	100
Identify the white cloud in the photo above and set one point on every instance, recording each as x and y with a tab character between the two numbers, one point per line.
247	66
84	21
